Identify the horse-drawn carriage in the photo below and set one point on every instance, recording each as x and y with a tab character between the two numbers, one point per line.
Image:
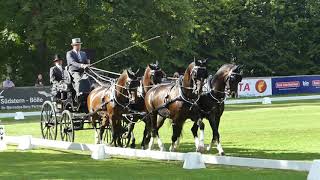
113	106
64	114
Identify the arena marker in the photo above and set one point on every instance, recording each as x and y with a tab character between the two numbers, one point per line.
19	116
314	173
25	142
193	160
99	153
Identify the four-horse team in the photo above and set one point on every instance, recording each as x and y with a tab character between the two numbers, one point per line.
107	102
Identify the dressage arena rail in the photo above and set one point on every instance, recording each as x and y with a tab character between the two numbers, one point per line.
158	155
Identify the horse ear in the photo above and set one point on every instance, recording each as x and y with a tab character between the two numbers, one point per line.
205	61
129	71
137	71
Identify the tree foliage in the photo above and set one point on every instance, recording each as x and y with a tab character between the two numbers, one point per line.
268	37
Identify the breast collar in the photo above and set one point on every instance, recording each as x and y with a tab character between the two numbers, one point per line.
190	101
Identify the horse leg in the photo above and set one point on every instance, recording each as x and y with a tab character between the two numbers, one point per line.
133	141
96	133
130	135
145	134
201	136
214	123
194	131
154	133
176	129
160	121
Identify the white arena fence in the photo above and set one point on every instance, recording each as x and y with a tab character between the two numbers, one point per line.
27	142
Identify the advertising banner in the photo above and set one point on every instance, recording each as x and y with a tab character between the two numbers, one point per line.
23	97
296	84
251	87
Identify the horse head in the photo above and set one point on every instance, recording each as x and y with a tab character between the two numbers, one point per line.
132	82
155	73
198	73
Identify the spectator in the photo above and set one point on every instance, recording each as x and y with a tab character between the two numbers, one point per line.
39	81
176	75
8	83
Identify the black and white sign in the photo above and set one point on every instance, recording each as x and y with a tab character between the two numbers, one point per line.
23	97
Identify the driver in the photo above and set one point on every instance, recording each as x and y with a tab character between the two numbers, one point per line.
77	62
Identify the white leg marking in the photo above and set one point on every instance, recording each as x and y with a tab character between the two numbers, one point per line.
160	144
209	146
219	148
201	140
177	143
151	143
196	142
96	137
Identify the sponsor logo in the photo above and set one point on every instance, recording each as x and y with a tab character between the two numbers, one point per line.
290	84
305	83
261	86
316	83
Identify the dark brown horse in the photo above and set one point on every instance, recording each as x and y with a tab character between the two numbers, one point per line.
110	103
177	101
211	103
152	76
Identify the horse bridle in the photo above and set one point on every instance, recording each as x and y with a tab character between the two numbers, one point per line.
231	76
194	70
153	73
193	102
127	88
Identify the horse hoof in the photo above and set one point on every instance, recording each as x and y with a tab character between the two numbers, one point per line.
200	149
163	149
208	148
222	154
132	146
172	149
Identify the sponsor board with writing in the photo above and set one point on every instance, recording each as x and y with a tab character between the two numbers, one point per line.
23	97
296	84
251	87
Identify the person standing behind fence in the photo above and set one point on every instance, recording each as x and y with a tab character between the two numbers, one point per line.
39	81
8	83
77	62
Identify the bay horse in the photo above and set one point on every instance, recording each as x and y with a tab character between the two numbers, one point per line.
177	101
211	103
152	76
109	103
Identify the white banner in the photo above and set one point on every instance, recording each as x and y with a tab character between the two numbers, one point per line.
255	87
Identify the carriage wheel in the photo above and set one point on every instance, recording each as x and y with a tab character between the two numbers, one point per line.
48	121
66	126
124	140
107	135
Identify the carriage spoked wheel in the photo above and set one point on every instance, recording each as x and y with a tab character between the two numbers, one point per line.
48	121
107	135
124	137
66	126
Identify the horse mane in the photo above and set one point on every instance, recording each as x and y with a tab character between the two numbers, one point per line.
223	70
187	72
146	72
122	78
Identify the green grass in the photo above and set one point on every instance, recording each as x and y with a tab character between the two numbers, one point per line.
43	164
277	131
